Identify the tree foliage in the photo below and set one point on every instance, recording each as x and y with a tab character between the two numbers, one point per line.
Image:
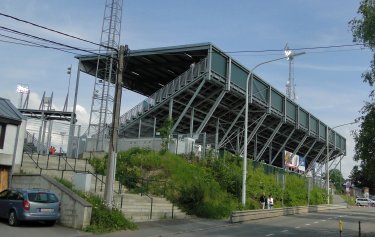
165	134
336	178
363	29
365	150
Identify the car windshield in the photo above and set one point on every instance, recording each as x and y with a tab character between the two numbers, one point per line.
43	197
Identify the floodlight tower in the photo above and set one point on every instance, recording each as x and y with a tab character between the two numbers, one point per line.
23	89
103	93
290	86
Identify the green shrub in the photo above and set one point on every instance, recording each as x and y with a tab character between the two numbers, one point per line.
318	196
103	219
348	199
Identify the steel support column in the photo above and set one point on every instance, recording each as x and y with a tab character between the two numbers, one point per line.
252	134
315	159
139	128
209	114
217	135
203	155
256	146
188	106
238	142
275	131
231	126
153	135
170	110
299	145
308	151
283	146
192	122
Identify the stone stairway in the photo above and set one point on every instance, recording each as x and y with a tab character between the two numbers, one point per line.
136	207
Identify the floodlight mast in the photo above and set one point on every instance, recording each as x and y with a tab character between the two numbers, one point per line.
290	86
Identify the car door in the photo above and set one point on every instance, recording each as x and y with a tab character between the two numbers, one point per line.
4	203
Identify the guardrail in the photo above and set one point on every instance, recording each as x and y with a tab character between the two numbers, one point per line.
242	216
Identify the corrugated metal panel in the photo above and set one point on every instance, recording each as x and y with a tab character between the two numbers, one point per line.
9	112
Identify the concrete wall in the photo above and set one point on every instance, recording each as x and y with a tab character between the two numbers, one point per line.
149	143
75	211
241	216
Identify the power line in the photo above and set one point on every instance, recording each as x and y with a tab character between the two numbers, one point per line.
55	31
51	41
31	44
295	49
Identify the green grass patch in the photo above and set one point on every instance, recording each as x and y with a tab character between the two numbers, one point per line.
348	199
210	187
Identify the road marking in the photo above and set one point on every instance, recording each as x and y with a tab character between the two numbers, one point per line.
330	218
316	222
307	224
284	230
323	220
269	235
297	227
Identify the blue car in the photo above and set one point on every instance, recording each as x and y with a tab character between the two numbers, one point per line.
29	205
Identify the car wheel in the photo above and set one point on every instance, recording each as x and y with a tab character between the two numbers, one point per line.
12	219
50	223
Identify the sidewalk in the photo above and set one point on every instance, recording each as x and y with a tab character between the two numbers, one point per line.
337	199
171	227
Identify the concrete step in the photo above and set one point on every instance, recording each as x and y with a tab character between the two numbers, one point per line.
134	206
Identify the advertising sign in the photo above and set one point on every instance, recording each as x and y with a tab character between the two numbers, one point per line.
295	162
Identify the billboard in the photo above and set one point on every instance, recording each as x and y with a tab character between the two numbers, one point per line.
294	162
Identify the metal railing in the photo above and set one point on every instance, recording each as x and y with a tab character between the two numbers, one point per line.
64	165
162	94
31	142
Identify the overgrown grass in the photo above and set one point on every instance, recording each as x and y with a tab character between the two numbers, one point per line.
103	219
348	199
210	187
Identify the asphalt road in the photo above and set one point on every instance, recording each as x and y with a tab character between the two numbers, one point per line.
313	224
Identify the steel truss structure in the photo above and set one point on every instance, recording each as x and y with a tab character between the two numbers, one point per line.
203	90
103	93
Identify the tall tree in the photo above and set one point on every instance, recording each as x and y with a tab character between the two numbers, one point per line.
363	29
336	178
365	147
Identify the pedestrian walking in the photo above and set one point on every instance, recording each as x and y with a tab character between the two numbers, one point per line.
263	200
270	201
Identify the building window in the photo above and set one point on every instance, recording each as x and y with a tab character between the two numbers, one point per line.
2	135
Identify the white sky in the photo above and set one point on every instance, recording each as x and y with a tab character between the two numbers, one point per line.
329	83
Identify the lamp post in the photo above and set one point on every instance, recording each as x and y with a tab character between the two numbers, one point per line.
244	171
288	55
327	156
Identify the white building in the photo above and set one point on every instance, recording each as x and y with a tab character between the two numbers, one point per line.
12	132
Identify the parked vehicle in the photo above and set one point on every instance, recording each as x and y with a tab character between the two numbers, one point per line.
29	205
364	202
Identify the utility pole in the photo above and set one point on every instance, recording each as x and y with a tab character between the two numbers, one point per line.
112	153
